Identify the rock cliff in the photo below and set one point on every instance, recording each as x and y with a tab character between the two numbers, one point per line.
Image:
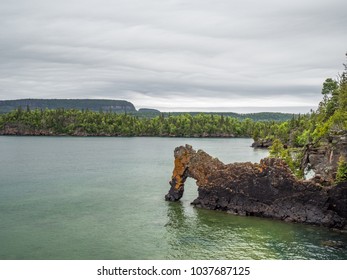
265	189
321	160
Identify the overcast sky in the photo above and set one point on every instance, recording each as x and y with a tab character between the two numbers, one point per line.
173	55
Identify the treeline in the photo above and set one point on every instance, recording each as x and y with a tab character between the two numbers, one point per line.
85	122
296	132
329	119
318	130
262	116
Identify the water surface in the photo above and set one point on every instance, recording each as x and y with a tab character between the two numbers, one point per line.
103	198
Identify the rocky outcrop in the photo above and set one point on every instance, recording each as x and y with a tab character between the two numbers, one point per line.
321	160
23	130
262	144
265	189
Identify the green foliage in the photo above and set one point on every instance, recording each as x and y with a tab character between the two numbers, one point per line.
76	122
256	117
342	97
291	157
329	86
330	101
303	138
316	127
277	150
330	117
2	122
341	174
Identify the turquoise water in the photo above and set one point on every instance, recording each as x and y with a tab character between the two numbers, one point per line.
103	198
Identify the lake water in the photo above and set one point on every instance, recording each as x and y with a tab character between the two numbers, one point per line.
103	198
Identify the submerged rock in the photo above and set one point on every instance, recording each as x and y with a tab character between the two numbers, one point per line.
265	189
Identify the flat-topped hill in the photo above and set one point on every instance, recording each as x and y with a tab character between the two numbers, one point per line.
80	104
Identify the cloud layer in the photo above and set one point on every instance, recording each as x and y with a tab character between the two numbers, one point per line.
172	54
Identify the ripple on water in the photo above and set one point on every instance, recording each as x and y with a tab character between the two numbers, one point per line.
103	198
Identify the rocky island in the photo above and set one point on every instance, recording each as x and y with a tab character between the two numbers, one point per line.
266	189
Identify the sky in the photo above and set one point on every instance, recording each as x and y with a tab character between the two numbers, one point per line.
174	55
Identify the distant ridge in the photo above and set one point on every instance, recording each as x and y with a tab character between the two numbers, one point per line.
123	106
105	105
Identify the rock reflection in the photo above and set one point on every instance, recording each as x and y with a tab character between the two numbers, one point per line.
202	234
176	216
193	235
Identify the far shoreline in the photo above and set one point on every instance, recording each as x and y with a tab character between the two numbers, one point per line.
124	136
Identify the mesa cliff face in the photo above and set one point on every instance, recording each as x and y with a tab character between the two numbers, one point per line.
265	189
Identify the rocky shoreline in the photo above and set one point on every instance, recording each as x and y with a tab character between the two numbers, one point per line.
262	144
15	130
266	189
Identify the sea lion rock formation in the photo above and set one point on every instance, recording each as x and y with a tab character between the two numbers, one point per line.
265	189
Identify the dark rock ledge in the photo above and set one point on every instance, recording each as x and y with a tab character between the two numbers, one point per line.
262	144
265	189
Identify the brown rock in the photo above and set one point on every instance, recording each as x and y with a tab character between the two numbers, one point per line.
265	189
322	158
262	144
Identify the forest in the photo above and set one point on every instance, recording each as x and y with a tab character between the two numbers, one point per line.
91	123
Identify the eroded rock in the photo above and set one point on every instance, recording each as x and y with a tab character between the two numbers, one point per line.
322	159
265	189
262	144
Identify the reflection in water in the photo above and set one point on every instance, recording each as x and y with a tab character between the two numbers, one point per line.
205	234
175	213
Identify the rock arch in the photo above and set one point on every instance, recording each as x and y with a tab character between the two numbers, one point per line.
265	189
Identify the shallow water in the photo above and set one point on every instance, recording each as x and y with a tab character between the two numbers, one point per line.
103	198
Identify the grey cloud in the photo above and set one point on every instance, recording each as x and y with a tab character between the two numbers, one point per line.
150	52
